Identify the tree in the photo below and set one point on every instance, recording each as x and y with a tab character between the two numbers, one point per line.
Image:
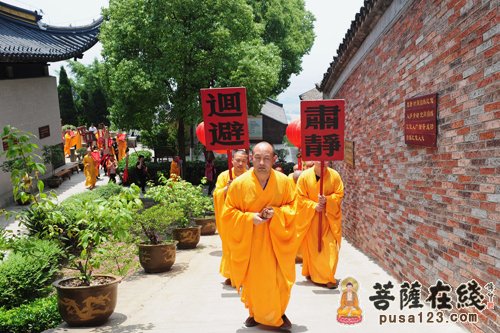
66	103
90	92
163	54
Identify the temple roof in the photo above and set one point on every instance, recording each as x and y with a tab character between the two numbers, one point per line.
24	38
361	26
274	110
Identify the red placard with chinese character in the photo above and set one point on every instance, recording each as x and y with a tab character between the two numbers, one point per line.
225	118
322	129
421	121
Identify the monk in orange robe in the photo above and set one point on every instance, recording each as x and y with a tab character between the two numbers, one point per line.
259	214
240	160
67	143
320	267
89	170
175	168
122	145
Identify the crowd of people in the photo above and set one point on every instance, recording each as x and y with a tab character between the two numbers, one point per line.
265	220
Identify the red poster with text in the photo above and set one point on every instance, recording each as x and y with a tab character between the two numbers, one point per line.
322	129
225	118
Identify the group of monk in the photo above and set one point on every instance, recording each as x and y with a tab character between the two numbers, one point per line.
103	152
264	218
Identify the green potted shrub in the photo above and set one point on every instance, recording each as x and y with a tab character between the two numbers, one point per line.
52	155
156	248
80	153
183	194
203	214
88	299
21	162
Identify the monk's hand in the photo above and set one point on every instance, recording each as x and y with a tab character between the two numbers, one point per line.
322	200
267	213
257	219
319	208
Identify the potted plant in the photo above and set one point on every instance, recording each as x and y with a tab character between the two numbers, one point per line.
21	163
52	155
156	248
203	214
88	299
183	194
81	152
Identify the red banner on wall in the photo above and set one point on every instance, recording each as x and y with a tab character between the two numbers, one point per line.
322	131
225	118
421	121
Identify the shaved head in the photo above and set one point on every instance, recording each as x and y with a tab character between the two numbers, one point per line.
263	145
263	159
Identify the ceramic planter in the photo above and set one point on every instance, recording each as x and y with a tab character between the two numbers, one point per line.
207	225
87	305
157	258
188	238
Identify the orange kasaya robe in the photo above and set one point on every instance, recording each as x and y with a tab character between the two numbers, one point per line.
320	266
89	170
262	256
97	161
67	142
175	169
122	145
76	140
219	198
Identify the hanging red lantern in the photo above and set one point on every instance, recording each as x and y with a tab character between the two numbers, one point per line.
200	134
293	132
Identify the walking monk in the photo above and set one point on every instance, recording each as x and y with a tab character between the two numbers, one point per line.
240	160
320	267
89	170
259	212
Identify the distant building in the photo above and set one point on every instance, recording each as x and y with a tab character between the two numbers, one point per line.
28	95
423	197
270	125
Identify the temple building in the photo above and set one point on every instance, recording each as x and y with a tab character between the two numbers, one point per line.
28	95
422	179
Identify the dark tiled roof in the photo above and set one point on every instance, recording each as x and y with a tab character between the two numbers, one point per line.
312	94
360	28
274	110
24	38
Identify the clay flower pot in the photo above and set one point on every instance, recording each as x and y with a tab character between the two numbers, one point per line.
87	305
157	258
188	238
207	225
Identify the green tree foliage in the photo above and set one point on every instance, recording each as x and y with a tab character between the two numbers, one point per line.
160	53
66	103
90	92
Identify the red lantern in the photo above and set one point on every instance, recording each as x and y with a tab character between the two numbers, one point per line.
200	134
293	132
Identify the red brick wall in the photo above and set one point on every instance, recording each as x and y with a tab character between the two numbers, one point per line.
429	213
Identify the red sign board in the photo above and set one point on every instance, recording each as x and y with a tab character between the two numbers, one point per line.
322	129
225	118
421	121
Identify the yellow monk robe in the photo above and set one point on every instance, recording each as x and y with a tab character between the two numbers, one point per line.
75	136
78	140
219	197
320	266
89	170
67	142
175	169
262	256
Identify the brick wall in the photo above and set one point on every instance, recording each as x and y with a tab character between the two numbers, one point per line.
429	213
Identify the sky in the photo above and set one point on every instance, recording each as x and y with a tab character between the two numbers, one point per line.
333	19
